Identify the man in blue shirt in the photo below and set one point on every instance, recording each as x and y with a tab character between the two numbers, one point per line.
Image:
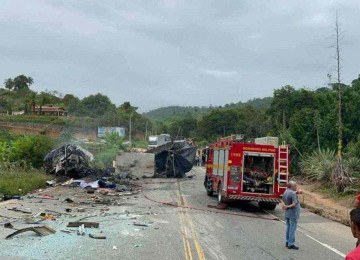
292	213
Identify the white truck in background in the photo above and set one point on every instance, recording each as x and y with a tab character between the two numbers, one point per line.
158	140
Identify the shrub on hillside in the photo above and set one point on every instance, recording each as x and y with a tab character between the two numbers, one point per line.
352	166
319	165
31	149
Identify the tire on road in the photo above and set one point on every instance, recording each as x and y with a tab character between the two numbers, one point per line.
209	188
267	205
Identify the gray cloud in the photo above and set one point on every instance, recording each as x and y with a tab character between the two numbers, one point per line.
173	52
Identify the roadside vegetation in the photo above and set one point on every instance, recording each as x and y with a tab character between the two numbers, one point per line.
305	118
21	160
20	179
105	153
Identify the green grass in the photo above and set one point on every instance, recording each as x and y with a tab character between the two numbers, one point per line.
330	191
35	119
140	143
18	181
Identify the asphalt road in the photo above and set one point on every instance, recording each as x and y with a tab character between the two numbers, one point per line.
186	229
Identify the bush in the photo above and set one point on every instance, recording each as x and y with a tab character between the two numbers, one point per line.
19	179
352	166
105	158
319	165
31	149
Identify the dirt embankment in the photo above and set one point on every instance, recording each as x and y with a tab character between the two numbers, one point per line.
52	131
335	209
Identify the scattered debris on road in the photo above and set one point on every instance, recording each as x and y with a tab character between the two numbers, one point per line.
8	225
45	196
221	205
51	183
97	236
21	210
140	224
40	231
86	224
14	197
69	200
81	230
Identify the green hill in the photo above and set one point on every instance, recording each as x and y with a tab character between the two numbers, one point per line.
179	112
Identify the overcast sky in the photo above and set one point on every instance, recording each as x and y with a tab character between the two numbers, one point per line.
173	52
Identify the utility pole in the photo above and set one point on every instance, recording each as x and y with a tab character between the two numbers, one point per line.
146	130
130	131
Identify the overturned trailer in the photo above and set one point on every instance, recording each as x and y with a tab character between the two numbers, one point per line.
174	159
68	159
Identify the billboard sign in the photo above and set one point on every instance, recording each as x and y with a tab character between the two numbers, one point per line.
103	130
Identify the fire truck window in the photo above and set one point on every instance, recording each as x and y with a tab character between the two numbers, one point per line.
221	162
216	162
226	159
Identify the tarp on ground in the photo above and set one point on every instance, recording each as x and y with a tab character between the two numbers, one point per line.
176	161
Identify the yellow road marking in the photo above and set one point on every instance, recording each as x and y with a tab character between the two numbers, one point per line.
187	218
186	243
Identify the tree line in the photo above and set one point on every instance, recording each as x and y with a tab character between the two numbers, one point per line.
307	119
16	95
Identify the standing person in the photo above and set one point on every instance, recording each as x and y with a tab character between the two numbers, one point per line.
355	229
356	202
292	213
200	159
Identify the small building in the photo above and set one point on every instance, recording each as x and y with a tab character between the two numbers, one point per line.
50	111
18	113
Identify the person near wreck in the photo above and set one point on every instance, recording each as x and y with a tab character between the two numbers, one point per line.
355	229
291	205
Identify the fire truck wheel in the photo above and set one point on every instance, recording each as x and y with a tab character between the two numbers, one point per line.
209	188
219	192
267	205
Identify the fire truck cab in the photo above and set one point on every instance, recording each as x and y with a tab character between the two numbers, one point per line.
257	171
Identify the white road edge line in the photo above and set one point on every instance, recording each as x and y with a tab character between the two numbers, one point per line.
317	241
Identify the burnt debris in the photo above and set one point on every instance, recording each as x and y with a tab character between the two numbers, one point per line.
72	160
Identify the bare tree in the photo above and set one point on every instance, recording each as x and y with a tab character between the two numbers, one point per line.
340	177
338	38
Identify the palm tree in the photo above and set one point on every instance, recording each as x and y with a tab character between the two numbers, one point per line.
22	82
9	84
30	81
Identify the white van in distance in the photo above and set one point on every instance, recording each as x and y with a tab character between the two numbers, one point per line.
158	140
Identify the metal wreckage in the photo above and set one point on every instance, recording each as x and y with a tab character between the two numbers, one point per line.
72	160
173	159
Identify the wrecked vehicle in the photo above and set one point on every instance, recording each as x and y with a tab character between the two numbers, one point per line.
174	160
68	159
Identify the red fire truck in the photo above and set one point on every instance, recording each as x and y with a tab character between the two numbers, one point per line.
237	170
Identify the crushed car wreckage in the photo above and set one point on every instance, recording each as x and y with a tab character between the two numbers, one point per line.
69	159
